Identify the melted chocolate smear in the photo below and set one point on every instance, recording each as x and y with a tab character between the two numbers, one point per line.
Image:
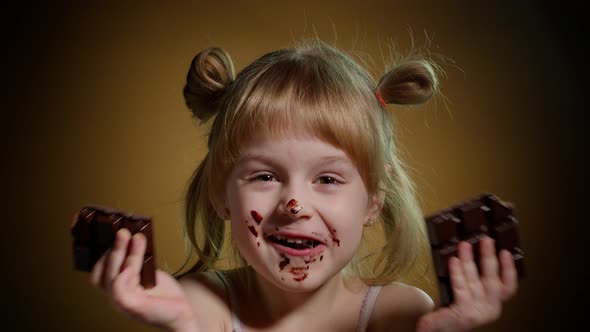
300	278
258	243
321	257
299	272
293	206
335	240
284	263
253	230
257	217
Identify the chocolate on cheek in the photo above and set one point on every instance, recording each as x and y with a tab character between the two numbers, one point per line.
335	240
257	217
333	237
253	230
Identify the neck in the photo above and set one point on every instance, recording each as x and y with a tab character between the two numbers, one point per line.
276	303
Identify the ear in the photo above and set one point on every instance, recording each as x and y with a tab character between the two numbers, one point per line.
376	202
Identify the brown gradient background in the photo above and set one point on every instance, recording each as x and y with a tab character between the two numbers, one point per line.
94	114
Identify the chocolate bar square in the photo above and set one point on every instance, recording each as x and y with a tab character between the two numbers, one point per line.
93	232
471	221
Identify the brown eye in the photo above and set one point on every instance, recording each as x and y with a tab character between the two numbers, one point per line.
327	180
264	178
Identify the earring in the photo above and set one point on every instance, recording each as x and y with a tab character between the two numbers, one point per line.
370	221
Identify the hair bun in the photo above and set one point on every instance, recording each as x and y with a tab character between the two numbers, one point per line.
209	75
411	82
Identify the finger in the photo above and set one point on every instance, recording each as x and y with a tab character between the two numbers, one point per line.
466	256
97	270
125	294
489	260
116	258
134	260
461	292
509	275
470	270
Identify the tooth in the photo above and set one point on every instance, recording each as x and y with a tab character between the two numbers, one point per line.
299	241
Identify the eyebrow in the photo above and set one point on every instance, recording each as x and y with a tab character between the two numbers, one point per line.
325	160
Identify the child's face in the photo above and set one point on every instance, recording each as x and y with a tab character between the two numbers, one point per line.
297	208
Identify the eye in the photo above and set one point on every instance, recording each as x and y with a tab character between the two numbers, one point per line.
264	177
328	180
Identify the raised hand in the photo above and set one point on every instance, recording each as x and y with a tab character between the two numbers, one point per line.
478	296
117	273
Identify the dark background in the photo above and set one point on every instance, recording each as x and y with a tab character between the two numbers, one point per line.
93	113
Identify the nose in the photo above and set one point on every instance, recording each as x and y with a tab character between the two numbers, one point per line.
293	206
293	203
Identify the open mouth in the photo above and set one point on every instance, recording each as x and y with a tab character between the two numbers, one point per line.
294	242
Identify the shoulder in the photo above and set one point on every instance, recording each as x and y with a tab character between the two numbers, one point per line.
399	306
208	298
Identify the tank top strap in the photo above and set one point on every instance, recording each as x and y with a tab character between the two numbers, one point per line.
233	301
367	307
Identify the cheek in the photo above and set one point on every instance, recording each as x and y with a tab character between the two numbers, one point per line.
248	211
346	222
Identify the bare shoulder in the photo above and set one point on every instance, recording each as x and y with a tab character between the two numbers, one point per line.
399	307
208	297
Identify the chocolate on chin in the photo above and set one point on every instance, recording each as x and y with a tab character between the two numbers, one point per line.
472	220
93	231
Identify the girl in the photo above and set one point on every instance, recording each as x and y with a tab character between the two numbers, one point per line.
301	163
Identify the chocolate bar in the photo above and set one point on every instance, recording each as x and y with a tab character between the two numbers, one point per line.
472	220
94	230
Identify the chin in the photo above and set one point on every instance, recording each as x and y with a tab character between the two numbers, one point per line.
299	280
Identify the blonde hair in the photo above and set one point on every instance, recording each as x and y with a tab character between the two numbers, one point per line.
317	89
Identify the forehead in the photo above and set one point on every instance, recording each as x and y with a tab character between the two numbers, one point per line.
293	148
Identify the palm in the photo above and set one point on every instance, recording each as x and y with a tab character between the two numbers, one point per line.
160	306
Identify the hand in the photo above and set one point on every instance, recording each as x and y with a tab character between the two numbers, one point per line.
117	273
478	298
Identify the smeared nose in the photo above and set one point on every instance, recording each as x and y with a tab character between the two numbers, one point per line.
293	206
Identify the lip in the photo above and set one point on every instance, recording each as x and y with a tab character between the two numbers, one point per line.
299	252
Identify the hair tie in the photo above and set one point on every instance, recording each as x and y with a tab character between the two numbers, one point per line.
379	97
